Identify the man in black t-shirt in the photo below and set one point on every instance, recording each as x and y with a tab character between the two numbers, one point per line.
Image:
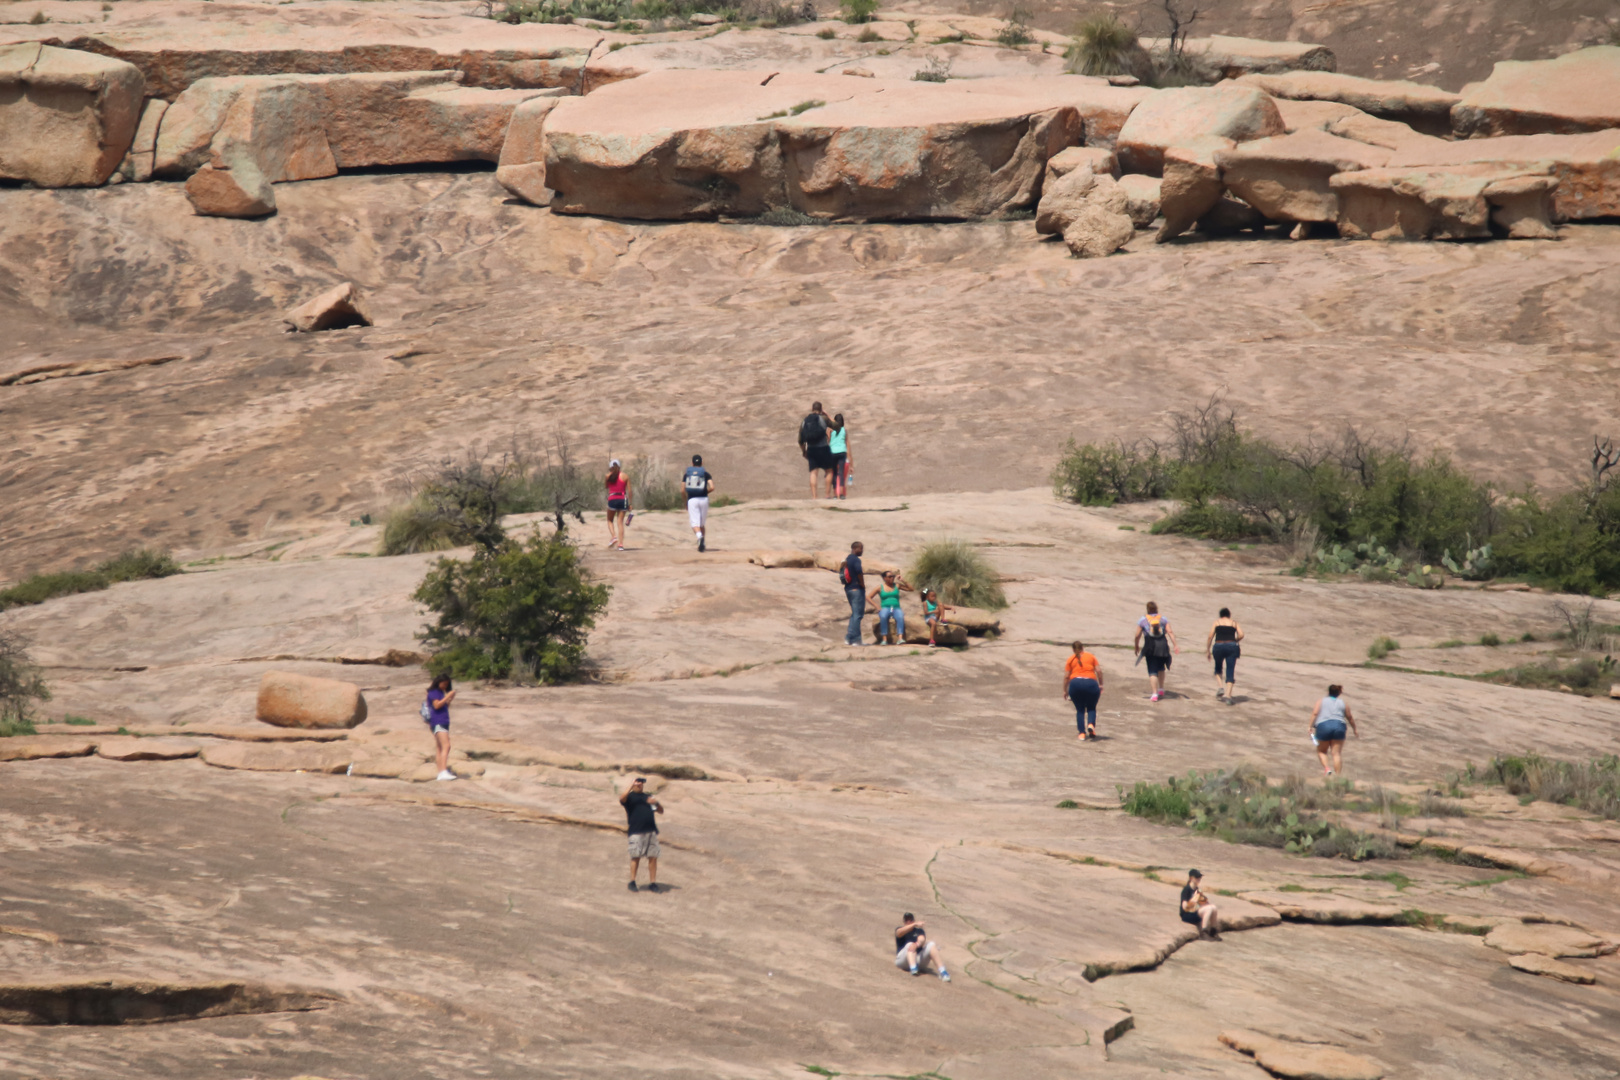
814	432
914	950
639	808
696	483
1196	910
853	576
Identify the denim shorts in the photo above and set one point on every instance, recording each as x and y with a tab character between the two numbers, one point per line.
1334	732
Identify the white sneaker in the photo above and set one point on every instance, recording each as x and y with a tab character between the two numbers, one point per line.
944	976
445	775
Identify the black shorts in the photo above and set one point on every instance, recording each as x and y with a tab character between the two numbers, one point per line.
615	504
1156	664
820	457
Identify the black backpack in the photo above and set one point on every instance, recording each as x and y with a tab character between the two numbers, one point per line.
812	429
1155	644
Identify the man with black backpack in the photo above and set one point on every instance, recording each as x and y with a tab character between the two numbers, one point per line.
1154	643
813	444
697	483
853	577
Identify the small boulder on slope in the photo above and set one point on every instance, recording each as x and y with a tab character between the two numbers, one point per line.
338	307
67	118
303	701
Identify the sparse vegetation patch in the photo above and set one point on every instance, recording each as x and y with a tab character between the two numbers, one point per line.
132	565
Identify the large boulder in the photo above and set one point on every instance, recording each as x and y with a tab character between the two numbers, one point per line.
1455	203
301	127
1215	58
1286	177
1061	200
1425	108
1576	92
1191	185
66	118
1587	166
699	144
1169	118
234	188
921	151
1101	226
174	45
303	701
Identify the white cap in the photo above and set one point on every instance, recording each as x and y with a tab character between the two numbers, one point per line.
615	464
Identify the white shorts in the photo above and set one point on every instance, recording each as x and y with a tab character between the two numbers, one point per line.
924	951
697	511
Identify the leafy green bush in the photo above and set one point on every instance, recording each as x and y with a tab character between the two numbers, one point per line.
1103	45
414	527
132	565
1382	647
20	686
1102	475
1242	807
518	610
1589	676
858	11
1490	638
960	572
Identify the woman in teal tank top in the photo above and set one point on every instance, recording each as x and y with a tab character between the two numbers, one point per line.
838	444
887	596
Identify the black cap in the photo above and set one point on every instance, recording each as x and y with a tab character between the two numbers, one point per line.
639	780
697	459
1194	873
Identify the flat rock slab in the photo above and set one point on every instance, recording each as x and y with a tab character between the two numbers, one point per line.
1323	907
1546	966
264	735
267	758
34	747
1579	91
1167	118
1547	939
764	51
1221	57
130	748
1301	1060
1586	166
174	45
1426	108
1285	177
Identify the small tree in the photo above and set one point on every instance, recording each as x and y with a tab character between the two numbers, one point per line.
518	610
20	686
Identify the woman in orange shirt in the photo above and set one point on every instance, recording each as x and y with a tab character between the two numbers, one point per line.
1082	684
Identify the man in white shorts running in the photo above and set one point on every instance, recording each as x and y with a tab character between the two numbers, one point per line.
698	483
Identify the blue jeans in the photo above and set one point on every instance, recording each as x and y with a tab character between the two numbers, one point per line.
1085	694
1226	655
857	609
894	615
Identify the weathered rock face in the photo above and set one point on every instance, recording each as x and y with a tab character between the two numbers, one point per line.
1454	203
1390	134
693	144
337	307
1094	158
66	118
1546	966
960	63
1141	198
1302	1060
522	166
1547	939
370	122
235	188
1424	108
1098	229
1175	117
1286	177
1061	199
303	701
761	51
1214	58
1191	186
1312	115
177	45
1103	108
137	164
1587	166
1576	92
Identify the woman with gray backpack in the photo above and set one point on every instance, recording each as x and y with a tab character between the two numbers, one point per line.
1155	642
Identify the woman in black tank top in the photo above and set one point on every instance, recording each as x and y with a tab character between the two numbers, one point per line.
1222	647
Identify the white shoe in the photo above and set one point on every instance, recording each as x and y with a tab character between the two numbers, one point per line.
445	775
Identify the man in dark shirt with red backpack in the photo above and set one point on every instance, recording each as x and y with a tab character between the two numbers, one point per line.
854	579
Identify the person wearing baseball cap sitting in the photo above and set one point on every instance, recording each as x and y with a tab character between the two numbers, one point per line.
643	830
1196	910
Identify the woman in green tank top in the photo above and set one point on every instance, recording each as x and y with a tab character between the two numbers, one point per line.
887	595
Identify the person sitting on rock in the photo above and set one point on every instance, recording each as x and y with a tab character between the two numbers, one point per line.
887	596
912	947
1196	910
933	614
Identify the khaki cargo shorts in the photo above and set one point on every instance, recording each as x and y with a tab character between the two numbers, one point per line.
644	845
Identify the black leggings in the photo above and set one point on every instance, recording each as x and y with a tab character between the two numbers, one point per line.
1226	653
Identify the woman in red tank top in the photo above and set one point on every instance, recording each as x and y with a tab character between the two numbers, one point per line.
618	503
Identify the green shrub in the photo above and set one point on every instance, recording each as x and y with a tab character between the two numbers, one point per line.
869	35
858	11
1382	647
519	610
1593	785
1207	521
1589	677
1490	639
652	487
21	685
414	527
1096	474
960	572
938	70
1103	45
785	216
1242	807
1015	31
133	565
